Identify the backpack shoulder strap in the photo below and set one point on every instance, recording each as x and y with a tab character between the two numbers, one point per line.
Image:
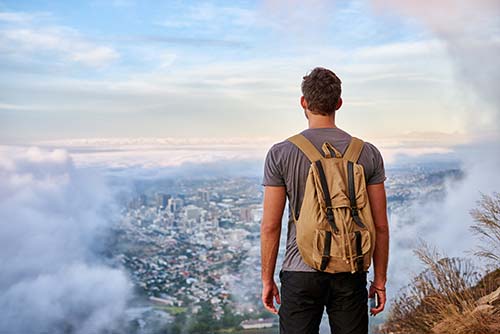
354	150
306	147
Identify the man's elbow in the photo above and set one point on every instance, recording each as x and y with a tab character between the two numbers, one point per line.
270	227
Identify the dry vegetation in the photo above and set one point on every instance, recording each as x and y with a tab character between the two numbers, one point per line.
452	296
487	227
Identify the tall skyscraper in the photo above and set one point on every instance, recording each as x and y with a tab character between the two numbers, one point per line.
175	204
162	200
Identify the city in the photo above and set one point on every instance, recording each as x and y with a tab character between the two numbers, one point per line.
191	246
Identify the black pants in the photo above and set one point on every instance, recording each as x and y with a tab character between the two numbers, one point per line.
304	296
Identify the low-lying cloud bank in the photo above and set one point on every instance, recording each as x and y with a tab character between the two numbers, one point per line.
443	223
54	220
153	155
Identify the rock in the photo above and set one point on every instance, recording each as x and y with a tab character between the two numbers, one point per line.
491	299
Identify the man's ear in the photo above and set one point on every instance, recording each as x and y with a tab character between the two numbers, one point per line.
339	104
303	102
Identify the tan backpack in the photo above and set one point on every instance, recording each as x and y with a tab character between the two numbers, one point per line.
335	230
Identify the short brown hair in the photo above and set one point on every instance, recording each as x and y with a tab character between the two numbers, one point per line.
321	89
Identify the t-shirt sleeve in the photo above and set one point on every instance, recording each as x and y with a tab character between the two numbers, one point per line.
378	175
273	173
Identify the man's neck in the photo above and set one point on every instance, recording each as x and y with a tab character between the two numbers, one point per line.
318	121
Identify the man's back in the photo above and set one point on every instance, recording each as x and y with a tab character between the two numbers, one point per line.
287	166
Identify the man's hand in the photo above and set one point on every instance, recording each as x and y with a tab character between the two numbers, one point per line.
381	298
269	293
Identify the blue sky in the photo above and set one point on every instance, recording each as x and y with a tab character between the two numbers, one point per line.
232	69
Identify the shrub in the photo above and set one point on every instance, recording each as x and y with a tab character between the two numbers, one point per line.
487	227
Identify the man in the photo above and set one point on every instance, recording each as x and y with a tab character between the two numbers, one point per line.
305	292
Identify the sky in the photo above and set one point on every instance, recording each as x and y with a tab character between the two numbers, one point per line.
126	71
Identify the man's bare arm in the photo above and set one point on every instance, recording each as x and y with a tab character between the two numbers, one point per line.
378	204
274	204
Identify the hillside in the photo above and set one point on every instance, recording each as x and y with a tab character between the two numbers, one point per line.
454	295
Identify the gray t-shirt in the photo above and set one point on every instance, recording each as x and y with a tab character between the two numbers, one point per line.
287	166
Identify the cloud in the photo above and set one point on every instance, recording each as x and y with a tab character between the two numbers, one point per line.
388	52
64	42
241	95
211	17
23	34
17	17
470	31
444	222
54	220
430	146
164	155
297	19
146	155
394	87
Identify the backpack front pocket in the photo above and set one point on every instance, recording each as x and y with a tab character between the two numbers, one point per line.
345	250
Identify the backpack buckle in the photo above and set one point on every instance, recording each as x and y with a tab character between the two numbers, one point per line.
329	213
331	218
354	211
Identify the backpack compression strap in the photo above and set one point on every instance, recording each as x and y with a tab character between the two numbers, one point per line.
353	150
352	155
306	147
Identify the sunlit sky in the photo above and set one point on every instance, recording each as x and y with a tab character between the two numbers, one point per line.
230	69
